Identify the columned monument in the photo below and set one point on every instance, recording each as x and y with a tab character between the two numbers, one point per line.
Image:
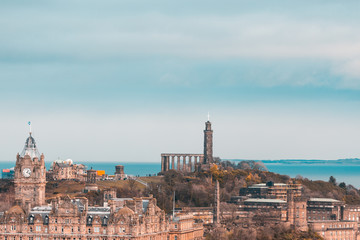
190	162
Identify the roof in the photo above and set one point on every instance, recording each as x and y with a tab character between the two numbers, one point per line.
125	211
16	209
264	200
42	208
62	165
98	211
323	200
263	185
30	148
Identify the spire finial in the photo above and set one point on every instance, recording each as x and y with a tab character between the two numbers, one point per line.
208	116
29	127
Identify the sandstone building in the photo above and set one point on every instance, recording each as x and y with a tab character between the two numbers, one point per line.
65	218
66	170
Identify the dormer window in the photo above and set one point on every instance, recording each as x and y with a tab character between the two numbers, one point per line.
46	220
105	221
31	219
89	220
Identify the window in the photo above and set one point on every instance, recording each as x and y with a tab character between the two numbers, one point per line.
175	227
38	228
175	238
96	229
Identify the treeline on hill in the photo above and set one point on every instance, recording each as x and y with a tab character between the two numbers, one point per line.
7	194
197	189
193	189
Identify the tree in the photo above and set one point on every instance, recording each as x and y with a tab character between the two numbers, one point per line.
342	185
332	180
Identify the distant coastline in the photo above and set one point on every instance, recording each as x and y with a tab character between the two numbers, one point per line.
347	161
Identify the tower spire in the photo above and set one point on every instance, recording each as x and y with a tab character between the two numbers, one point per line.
208	116
29	127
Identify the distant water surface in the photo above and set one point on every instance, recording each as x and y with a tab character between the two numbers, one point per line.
141	169
350	174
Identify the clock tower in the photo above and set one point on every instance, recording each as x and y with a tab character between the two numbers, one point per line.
30	176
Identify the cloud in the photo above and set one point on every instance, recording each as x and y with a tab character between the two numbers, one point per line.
89	35
350	73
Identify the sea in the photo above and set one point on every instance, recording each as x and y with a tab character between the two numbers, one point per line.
313	170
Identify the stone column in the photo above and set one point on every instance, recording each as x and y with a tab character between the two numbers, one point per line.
190	164
167	163
184	163
201	159
162	163
173	162
178	163
195	163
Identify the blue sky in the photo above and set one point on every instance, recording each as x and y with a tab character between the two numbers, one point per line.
127	80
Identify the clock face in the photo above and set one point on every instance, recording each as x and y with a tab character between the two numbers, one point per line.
26	172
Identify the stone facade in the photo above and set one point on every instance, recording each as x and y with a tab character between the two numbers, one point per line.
30	176
91	181
335	230
66	170
68	218
183	227
272	190
138	218
324	209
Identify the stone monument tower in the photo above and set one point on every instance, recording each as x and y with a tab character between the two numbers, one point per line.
208	143
119	172
91	181
30	176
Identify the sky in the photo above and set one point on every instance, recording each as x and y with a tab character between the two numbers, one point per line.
124	81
